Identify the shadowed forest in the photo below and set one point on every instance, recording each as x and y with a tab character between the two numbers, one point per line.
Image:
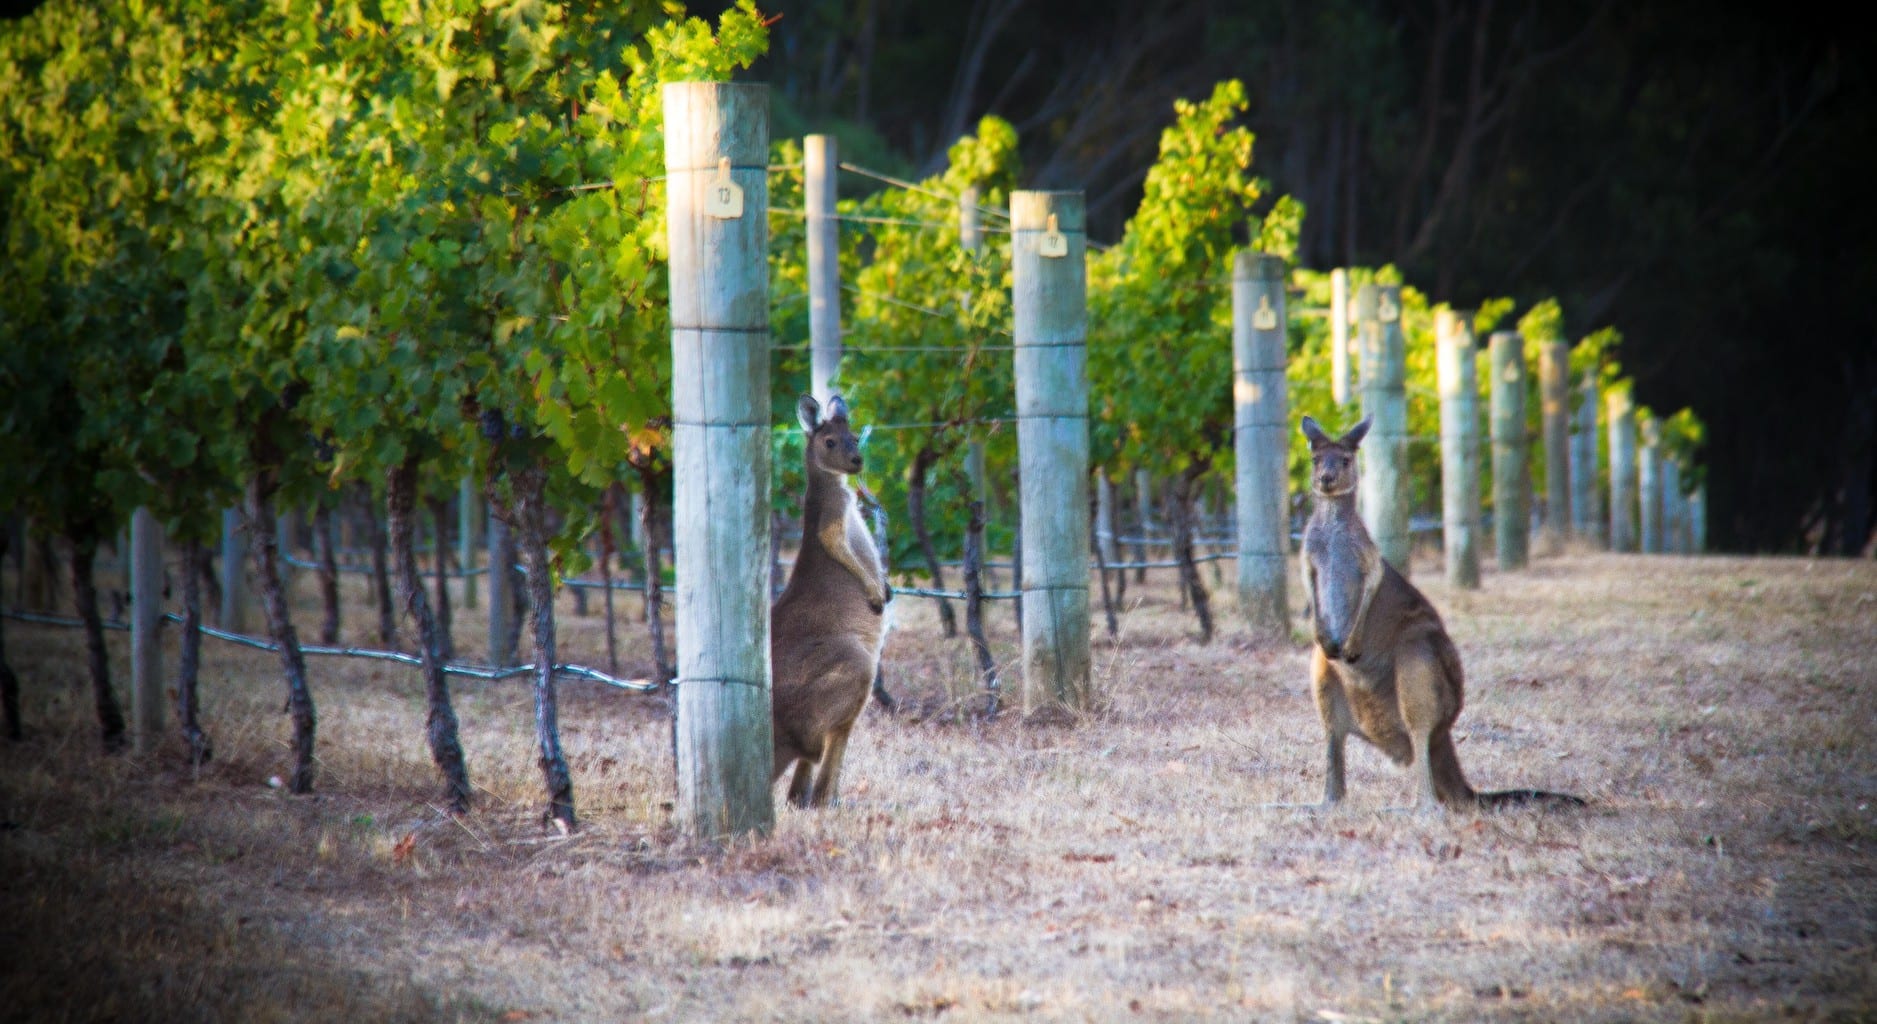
1691	173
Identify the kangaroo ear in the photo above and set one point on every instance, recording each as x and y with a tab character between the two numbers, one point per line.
1356	433
809	412
1314	433
837	408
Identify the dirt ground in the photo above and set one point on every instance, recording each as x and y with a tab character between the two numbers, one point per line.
1141	864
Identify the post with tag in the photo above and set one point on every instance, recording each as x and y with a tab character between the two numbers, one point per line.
1510	515
1261	442
820	161
716	153
1384	493
1049	304
1456	367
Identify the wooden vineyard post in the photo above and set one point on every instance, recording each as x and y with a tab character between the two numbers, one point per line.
1339	336
467	502
820	162
146	618
1622	416
1585	522
501	593
1673	509
234	610
1649	480
971	239
1510	517
716	152
1457	365
1384	492
1261	437
1554	389
1049	303
1698	520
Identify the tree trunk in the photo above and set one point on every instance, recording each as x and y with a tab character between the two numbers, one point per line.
328	575
280	628
380	572
915	508
446	750
1191	584
974	608
85	591
188	669
211	580
529	519
9	683
446	641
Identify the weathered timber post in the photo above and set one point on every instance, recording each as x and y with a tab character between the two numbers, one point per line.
501	593
466	505
1104	518
1622	416
971	239
1457	366
1510	518
1261	438
1649	480
1384	493
1585	522
1673	511
1698	519
820	162
146	616
716	152
234	610
1339	336
1554	389
1049	303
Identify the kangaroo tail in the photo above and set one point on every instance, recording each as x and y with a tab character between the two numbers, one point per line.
1521	797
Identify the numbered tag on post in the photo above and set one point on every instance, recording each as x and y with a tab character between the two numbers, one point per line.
1264	318
1388	311
1054	244
723	199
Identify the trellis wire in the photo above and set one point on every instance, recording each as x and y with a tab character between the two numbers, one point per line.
471	671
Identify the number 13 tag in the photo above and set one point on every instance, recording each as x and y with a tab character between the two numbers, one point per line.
723	199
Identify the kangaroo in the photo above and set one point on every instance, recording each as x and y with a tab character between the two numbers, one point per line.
1383	666
826	628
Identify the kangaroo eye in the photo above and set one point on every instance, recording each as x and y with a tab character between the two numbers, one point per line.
829	443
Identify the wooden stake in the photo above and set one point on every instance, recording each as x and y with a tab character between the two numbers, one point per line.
1384	493
1621	405
1261	436
1586	523
820	162
1339	336
1554	386
717	140
1049	302
1457	365
1649	480
1510	517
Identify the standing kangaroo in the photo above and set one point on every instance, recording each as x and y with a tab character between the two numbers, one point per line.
1383	667
825	629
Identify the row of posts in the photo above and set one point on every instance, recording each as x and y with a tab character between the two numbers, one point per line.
716	155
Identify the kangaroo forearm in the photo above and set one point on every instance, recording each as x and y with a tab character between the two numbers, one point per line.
834	541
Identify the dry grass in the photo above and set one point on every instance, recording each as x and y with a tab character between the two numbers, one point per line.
1717	712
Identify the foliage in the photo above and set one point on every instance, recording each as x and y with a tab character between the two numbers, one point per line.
1159	346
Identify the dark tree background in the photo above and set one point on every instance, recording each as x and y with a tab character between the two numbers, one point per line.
1692	173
